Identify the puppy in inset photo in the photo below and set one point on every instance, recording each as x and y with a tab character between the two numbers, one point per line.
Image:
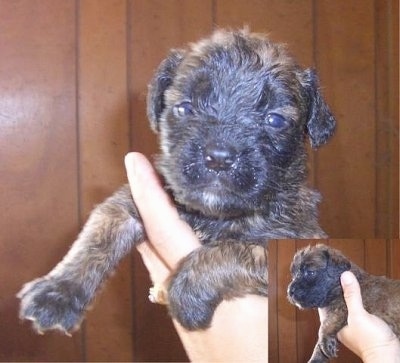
233	113
316	283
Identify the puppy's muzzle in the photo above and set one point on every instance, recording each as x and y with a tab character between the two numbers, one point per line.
292	296
291	291
219	157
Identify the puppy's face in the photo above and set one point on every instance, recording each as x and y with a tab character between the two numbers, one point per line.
316	276
232	113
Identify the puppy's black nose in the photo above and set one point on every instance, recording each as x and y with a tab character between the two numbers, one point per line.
219	157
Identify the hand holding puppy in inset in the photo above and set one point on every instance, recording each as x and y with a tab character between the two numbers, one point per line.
365	334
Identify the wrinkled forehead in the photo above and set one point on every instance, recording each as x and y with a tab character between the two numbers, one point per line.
239	73
233	56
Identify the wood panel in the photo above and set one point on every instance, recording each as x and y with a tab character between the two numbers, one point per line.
103	141
345	58
387	117
393	260
393	12
38	159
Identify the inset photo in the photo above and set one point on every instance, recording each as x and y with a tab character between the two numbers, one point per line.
329	298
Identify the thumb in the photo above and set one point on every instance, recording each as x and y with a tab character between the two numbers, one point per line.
171	237
351	293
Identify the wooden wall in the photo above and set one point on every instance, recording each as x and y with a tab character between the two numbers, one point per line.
73	76
293	332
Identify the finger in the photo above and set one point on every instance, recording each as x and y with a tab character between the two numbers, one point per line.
351	293
322	315
159	272
170	236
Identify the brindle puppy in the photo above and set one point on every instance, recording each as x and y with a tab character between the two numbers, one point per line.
232	113
316	284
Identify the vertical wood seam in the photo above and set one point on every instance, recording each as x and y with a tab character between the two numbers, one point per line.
213	14
77	111
392	91
387	258
78	153
377	225
277	301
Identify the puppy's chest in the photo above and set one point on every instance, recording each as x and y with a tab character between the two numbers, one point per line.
240	230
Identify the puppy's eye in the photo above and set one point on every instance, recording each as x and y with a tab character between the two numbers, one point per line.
310	273
276	121
183	109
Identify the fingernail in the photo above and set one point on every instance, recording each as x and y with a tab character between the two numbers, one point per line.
347	278
130	166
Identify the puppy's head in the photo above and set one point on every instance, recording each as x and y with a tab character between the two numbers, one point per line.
232	112
316	276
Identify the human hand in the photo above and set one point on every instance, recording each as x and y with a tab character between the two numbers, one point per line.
239	330
171	238
365	334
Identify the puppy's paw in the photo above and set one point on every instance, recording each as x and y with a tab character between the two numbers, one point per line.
192	298
52	304
321	359
318	355
329	346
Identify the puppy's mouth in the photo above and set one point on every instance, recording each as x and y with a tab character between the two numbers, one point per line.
292	297
215	200
294	301
219	184
224	189
302	298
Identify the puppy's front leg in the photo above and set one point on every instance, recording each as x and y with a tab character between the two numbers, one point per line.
59	299
327	345
213	273
318	355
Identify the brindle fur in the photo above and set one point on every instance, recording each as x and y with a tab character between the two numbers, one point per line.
316	284
232	113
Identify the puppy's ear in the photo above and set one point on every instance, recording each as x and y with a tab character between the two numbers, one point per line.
336	262
161	81
321	123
